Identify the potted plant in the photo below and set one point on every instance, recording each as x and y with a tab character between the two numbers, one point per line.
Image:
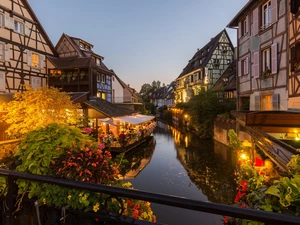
82	74
265	73
63	75
296	65
75	75
69	76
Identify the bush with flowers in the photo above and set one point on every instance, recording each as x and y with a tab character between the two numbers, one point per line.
261	188
61	151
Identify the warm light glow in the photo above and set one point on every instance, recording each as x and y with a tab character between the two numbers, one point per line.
186	141
185	116
243	156
297	138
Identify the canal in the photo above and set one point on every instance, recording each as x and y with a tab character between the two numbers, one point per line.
180	164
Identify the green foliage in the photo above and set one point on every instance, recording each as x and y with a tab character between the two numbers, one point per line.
234	141
203	109
39	147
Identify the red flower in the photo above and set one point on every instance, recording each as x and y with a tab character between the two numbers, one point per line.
129	203
244	185
121	135
258	162
225	219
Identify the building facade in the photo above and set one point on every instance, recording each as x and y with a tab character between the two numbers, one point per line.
24	46
78	69
262	56
205	67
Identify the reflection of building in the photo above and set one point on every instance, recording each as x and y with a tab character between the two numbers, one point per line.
205	67
204	167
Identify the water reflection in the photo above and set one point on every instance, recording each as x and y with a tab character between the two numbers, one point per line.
184	165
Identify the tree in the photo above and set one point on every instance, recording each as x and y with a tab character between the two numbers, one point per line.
37	108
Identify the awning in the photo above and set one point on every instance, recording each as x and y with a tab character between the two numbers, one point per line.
133	119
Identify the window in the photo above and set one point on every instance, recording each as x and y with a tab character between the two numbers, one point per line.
266	102
266	60
101	95
98	61
98	77
295	4
35	82
243	66
295	57
103	78
243	27
35	60
19	27
266	15
2	81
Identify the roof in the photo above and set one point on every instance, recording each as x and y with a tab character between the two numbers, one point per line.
230	75
203	54
39	25
70	62
108	108
235	21
76	97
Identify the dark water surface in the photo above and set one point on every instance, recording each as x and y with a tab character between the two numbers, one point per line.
181	164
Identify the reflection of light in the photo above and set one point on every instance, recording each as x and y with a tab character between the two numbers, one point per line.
297	138
243	156
186	141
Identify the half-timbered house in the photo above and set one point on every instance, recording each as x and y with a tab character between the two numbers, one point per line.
205	67
24	45
294	56
262	55
78	69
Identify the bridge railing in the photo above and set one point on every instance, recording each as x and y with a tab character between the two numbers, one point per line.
9	217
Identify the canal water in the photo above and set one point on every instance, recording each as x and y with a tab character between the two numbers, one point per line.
178	163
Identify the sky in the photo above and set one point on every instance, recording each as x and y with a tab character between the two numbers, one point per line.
141	40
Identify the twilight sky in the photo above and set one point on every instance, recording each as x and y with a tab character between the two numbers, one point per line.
141	40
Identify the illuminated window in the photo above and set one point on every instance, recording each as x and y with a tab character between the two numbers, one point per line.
101	95
266	14
35	60
19	27
266	102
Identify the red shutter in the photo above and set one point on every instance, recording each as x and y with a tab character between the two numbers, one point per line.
256	65
274	10
255	21
240	30
274	58
240	68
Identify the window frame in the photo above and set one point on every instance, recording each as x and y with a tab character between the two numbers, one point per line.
98	62
16	29
2	20
266	14
103	78
295	56
37	56
265	62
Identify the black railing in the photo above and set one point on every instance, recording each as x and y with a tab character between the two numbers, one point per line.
9	219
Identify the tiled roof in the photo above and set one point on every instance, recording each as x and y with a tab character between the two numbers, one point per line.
70	62
230	74
107	108
203	54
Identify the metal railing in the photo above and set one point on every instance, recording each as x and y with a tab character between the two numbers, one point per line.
116	192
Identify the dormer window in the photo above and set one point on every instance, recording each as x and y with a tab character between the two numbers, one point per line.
81	46
98	61
87	48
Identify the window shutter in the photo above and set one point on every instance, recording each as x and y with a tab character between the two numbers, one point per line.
240	30
255	21
256	64
7	53
42	61
1	52
240	68
274	58
29	53
38	82
246	66
27	31
247	23
9	22
275	101
2	81
274	10
257	103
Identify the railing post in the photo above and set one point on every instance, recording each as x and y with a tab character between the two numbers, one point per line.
8	210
